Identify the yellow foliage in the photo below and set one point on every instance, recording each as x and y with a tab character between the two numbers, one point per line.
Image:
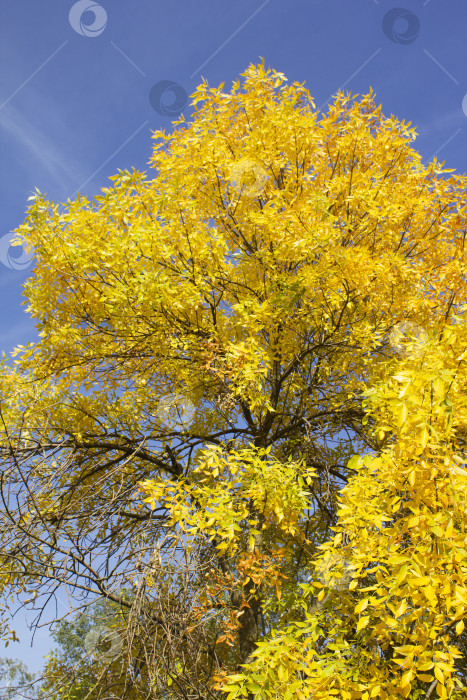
288	288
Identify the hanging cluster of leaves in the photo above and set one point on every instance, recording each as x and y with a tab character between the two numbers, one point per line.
395	630
246	405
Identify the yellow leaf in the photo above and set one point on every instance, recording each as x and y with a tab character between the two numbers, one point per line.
362	623
402	415
425	677
412	522
362	605
438	386
460	627
420	581
402	574
430	594
406	678
442	692
426	666
401	609
424	437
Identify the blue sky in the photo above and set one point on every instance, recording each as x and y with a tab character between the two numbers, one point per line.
75	93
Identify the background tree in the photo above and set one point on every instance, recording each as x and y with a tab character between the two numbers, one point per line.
87	659
199	391
15	680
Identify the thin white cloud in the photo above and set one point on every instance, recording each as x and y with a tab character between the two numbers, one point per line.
38	142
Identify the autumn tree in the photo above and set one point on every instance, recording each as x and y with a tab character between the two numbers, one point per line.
247	404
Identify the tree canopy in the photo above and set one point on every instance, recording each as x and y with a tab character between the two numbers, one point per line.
247	404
